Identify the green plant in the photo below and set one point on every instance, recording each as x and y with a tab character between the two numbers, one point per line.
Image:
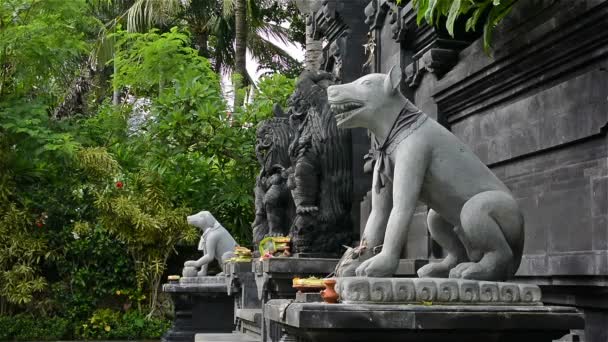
95	203
491	12
91	268
109	324
31	328
41	46
273	89
136	326
100	324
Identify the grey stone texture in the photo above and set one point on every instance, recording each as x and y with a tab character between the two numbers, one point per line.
536	113
232	337
437	291
274	280
201	305
248	307
274	276
392	322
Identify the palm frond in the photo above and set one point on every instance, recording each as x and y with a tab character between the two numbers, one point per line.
228	8
274	31
145	14
265	50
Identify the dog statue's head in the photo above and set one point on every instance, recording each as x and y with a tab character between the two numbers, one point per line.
203	220
360	102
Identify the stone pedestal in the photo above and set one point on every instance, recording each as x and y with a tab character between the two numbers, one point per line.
202	305
274	277
240	282
320	322
233	337
426	309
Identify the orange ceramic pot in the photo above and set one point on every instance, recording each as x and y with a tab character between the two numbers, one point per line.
330	295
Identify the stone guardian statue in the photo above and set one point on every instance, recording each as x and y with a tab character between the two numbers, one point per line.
473	215
320	171
273	204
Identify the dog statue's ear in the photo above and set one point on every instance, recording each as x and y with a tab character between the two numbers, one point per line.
393	80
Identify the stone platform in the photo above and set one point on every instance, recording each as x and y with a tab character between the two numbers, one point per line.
425	309
240	282
201	305
320	322
234	337
274	277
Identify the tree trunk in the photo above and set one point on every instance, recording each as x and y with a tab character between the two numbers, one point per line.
115	90
202	39
313	56
240	50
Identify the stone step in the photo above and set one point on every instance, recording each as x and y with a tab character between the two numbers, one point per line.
253	315
230	337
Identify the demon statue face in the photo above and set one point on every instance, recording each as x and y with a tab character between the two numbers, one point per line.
271	143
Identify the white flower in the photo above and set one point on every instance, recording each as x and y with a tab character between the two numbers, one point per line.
75	235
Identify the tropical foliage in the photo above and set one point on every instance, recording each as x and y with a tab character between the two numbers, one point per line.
94	194
486	14
214	25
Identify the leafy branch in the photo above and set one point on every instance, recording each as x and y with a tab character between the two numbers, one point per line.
485	13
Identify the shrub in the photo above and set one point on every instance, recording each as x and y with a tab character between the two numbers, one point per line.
30	328
109	324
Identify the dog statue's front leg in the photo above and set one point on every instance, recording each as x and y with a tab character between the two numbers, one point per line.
373	235
410	168
202	263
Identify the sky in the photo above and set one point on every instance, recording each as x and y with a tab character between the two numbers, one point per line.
294	49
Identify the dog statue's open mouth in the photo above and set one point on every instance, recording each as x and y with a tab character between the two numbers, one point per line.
345	110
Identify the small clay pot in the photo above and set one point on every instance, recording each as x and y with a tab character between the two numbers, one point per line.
330	295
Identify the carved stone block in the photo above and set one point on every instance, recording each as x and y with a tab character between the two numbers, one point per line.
438	291
447	291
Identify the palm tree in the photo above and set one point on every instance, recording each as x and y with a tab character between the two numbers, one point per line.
223	30
313	56
214	22
146	14
240	50
251	33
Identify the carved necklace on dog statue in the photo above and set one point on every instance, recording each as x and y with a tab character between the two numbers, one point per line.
406	122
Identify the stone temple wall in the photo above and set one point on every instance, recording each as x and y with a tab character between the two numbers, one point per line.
536	112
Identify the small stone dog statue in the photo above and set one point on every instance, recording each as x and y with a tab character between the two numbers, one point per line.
216	243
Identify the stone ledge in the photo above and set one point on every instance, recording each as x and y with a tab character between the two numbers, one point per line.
321	322
219	280
230	337
210	284
435	290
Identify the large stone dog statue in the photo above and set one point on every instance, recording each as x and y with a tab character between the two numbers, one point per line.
216	243
473	215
